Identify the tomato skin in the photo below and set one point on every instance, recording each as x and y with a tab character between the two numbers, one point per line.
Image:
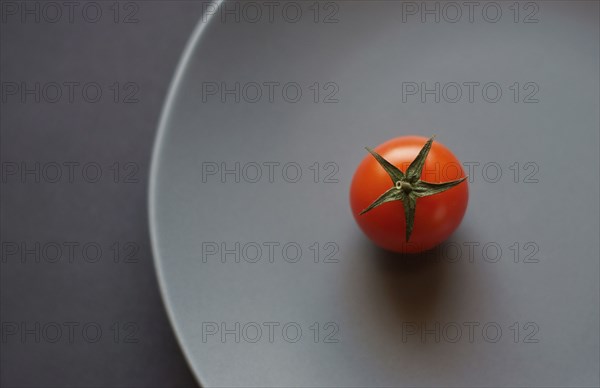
437	216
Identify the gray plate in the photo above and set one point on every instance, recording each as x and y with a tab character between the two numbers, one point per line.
511	299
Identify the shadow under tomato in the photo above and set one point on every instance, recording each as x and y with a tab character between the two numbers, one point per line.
411	284
392	297
386	292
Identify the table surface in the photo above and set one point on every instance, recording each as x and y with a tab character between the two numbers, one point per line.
140	52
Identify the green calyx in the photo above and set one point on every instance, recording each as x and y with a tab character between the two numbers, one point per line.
408	186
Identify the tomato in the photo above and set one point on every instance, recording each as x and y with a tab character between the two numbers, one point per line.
422	186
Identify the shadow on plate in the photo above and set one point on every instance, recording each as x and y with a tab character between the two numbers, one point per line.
400	288
411	285
391	297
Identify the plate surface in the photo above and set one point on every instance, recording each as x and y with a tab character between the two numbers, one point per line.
267	279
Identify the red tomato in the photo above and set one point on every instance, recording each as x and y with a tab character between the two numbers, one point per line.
436	216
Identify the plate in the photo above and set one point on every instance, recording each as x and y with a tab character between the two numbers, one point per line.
266	278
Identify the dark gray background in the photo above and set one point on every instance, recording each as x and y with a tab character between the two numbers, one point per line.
145	53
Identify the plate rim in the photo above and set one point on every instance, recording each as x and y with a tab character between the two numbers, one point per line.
165	117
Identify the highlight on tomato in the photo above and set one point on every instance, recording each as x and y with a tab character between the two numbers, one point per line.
401	197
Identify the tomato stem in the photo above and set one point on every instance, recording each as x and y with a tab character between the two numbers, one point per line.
407	187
